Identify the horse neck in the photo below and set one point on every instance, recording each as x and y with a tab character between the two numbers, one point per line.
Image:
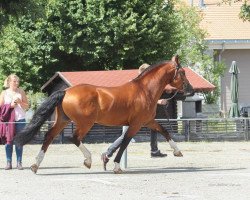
155	82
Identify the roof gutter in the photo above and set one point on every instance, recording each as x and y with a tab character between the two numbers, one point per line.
229	44
53	78
64	79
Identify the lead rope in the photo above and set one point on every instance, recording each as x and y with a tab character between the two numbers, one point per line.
172	96
168	121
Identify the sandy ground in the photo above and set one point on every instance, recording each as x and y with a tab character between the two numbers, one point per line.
216	170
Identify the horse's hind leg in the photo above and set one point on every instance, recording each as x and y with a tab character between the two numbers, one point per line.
61	122
157	127
79	134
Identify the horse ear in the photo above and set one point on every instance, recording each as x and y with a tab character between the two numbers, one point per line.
176	60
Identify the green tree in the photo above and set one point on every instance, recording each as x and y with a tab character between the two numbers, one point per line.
87	35
110	34
46	36
194	51
17	8
25	51
244	10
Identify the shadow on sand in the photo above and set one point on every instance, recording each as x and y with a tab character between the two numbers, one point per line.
140	171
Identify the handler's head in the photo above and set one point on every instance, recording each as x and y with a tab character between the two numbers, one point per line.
143	67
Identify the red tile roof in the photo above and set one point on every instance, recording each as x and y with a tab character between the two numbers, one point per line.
221	20
100	78
197	81
119	77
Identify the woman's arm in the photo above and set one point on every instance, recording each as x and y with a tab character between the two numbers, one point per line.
24	102
12	104
1	98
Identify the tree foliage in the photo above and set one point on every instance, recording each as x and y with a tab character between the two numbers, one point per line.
86	35
108	34
194	52
244	10
24	53
45	36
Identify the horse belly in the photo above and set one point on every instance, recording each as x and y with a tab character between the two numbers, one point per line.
112	118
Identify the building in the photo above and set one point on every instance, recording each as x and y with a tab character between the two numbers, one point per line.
229	40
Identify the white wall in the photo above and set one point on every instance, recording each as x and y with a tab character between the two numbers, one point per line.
242	58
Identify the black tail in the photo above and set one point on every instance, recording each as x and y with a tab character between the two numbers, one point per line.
42	113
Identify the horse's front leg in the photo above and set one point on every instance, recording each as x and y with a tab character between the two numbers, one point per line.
131	131
154	125
173	145
117	169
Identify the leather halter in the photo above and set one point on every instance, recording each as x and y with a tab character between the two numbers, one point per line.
184	83
176	71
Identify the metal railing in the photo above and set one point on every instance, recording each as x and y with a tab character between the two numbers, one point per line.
198	129
209	128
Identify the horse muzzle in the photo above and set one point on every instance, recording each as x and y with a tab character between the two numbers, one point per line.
188	89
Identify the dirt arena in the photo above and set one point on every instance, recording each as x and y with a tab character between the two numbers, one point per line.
214	170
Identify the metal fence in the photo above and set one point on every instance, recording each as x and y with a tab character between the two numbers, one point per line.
216	129
204	129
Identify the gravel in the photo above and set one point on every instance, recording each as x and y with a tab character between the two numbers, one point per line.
208	170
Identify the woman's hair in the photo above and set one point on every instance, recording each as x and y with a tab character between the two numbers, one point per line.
7	80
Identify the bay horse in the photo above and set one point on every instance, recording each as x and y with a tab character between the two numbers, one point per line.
132	104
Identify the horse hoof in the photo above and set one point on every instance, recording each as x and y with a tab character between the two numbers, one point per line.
178	154
34	168
118	171
87	163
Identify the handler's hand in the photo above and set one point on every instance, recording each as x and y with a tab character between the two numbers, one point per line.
162	101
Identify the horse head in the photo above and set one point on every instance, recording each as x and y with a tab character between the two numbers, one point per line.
180	81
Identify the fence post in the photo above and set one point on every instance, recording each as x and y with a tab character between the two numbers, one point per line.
226	127
246	128
62	137
124	158
248	133
187	130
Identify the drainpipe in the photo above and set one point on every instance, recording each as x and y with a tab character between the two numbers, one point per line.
191	2
220	59
222	50
201	4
